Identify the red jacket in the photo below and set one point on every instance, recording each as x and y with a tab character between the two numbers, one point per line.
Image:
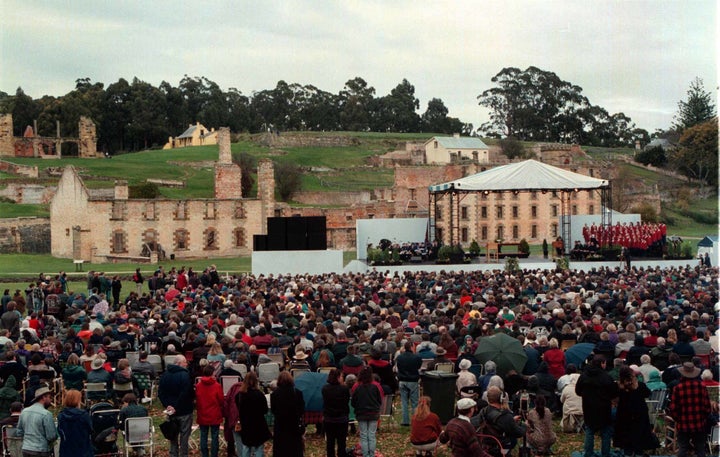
555	358
210	400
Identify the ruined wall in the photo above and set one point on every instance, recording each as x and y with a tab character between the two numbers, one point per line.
296	140
15	169
25	235
333	198
228	176
7	140
87	146
33	194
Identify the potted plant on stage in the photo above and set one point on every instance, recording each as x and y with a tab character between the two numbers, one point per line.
523	249
474	248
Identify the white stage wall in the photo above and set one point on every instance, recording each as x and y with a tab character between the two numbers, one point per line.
296	262
371	231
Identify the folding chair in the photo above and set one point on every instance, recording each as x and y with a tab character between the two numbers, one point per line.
144	383
133	357
121	389
12	445
277	358
95	392
169	360
325	369
445	367
387	409
240	368
138	434
156	361
227	382
268	372
297	372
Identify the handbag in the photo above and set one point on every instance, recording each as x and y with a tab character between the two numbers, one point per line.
170	429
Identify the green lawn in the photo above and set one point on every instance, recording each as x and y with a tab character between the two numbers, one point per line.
10	210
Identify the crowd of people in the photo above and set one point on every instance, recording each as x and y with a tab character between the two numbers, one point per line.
639	236
374	333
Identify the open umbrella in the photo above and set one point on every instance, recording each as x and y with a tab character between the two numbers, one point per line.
311	384
578	353
504	350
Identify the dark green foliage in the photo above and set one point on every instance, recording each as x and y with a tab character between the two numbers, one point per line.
512	148
654	156
697	156
288	179
524	247
698	108
144	190
536	105
647	212
474	248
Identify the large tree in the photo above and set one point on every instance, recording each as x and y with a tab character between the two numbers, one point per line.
697	154
698	108
355	101
536	105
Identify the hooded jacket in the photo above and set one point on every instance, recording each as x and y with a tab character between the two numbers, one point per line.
176	390
74	429
209	401
597	390
8	395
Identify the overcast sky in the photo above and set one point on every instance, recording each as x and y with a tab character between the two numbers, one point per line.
635	57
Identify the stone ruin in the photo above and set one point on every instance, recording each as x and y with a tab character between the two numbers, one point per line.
33	145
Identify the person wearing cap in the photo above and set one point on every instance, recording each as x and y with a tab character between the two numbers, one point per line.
597	390
459	433
690	408
36	426
440	357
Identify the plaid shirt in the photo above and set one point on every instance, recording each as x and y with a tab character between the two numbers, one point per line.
690	405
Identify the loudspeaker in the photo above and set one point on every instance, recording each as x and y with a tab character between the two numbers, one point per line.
296	234
276	241
317	233
260	243
277	225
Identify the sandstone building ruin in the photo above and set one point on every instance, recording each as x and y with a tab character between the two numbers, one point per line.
97	226
33	145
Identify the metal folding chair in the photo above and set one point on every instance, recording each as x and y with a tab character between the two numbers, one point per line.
138	434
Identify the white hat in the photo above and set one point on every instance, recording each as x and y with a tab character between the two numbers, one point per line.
465	404
465	364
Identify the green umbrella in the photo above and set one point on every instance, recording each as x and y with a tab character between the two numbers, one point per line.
504	350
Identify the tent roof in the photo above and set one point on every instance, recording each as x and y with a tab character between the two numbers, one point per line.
529	175
708	241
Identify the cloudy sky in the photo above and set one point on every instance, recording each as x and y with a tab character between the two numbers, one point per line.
636	57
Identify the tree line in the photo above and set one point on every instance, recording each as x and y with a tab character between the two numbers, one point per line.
136	115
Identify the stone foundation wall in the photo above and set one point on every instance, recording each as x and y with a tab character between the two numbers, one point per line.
334	198
15	169
25	235
87	146
7	140
33	194
295	140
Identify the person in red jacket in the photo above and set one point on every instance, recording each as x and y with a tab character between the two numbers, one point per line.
210	400
555	358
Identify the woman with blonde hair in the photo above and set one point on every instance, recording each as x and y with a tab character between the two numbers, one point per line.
74	427
425	429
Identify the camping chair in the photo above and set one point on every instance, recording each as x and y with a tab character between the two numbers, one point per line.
95	392
447	367
121	389
227	382
297	372
325	369
133	357
268	372
156	361
386	409
714	439
491	445
145	384
168	360
240	368
277	358
12	445
138	434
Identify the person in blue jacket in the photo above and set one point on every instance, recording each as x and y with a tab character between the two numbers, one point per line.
177	394
74	427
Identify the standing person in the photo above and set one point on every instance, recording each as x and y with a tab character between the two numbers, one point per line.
633	431
540	434
366	399
74	427
252	430
138	279
425	429
460	434
176	394
288	407
690	407
336	412
210	398
597	390
36	426
408	372
115	287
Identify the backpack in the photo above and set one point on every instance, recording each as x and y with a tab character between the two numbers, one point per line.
488	426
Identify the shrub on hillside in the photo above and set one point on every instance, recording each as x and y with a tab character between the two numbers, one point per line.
144	190
654	156
288	179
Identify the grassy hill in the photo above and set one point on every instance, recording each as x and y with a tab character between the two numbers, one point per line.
333	169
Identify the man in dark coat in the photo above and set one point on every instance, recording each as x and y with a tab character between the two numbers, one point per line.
176	394
597	390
